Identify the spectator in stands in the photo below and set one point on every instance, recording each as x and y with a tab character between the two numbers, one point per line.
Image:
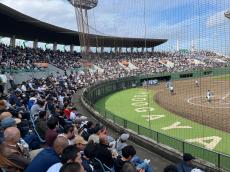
170	168
72	167
80	143
9	122
48	157
51	133
3	83
87	130
70	154
186	164
88	158
104	154
39	106
128	155
41	124
98	130
121	143
128	167
68	134
10	149
15	99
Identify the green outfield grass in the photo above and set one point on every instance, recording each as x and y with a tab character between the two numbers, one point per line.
223	77
120	103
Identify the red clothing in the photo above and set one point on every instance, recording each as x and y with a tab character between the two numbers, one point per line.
51	135
67	113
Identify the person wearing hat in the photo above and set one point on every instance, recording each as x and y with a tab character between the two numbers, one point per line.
186	164
80	143
9	122
121	142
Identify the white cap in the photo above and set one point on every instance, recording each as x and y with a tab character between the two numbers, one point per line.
124	137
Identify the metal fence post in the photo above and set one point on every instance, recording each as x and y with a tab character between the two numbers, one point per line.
183	151
125	124
157	137
218	160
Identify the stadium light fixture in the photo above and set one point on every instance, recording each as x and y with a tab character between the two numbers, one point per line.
227	14
84	4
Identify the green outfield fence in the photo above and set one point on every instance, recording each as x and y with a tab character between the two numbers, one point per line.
99	90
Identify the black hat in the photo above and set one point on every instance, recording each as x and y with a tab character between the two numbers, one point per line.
188	157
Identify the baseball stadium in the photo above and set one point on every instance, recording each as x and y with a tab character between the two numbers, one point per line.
114	86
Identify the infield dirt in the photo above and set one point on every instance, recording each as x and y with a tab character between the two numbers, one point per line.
189	101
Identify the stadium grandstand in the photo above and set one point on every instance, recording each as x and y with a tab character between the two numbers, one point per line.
118	86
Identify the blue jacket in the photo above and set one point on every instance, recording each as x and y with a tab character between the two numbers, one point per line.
184	167
45	159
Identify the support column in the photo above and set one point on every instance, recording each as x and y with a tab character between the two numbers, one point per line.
35	44
126	50
12	41
142	49
55	46
115	50
131	49
152	49
71	48
120	50
102	49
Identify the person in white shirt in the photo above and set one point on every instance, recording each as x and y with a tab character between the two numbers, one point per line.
171	89
209	96
3	82
23	87
197	83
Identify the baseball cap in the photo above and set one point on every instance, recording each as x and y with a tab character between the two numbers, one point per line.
80	140
188	157
4	115
9	122
124	137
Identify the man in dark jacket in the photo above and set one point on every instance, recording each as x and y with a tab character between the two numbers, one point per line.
11	150
128	153
48	157
186	164
103	153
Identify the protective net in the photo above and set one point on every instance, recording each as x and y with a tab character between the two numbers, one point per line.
184	98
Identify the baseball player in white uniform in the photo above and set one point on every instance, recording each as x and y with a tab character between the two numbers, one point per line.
171	89
209	96
197	83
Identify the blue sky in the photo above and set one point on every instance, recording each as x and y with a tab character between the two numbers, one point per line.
200	21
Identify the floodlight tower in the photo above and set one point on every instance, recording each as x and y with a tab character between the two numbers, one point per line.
81	8
227	14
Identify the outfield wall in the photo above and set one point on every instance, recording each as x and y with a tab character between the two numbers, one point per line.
92	94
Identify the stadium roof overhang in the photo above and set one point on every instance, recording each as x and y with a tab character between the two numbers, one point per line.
28	28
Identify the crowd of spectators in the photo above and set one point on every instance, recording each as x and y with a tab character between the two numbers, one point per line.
42	131
19	58
110	63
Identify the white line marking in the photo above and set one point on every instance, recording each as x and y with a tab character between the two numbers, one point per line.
226	96
224	105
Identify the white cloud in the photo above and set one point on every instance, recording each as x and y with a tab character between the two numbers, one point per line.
57	12
217	19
